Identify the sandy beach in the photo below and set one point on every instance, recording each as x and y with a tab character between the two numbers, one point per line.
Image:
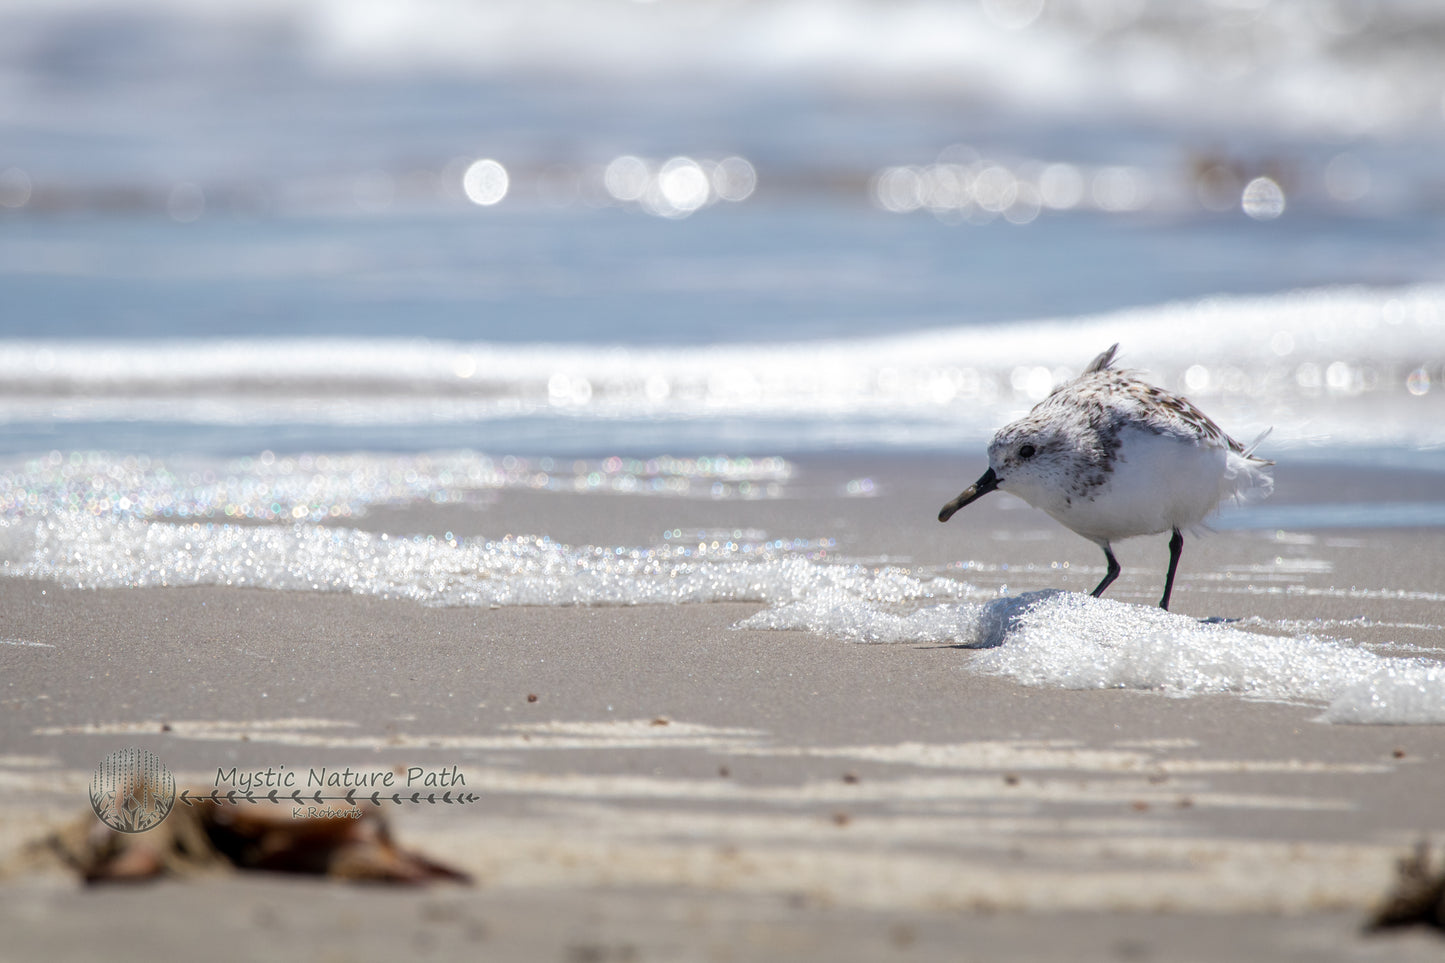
654	782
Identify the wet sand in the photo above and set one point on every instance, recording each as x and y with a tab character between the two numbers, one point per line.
683	789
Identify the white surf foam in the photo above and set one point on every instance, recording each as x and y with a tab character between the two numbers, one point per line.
315	487
1046	638
109	552
1073	641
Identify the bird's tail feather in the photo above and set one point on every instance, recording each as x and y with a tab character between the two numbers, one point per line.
1248	451
1248	478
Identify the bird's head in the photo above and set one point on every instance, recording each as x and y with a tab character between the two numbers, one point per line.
1022	459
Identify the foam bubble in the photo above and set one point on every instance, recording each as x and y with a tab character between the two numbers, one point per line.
100	521
1049	638
859	620
1078	642
1072	641
314	487
108	552
1404	692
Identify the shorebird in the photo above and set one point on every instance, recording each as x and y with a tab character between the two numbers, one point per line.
1110	457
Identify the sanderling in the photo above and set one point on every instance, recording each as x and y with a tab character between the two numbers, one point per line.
1112	457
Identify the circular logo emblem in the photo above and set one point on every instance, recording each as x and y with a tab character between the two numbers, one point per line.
132	791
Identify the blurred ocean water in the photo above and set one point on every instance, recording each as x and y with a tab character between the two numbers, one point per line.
608	226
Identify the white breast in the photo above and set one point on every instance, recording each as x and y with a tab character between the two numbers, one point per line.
1159	482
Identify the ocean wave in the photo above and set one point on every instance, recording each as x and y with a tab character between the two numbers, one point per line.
1351	366
1343	66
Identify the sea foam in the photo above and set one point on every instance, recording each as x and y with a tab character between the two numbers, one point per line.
315	487
1049	638
1073	641
85	551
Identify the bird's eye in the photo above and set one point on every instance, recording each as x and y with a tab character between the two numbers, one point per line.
1026	451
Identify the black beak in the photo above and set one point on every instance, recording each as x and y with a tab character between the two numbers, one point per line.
977	490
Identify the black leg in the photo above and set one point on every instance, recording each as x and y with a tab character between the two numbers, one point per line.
1110	575
1176	545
